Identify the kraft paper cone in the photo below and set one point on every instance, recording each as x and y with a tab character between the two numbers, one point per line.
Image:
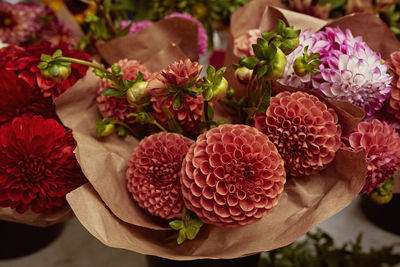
35	219
145	43
106	208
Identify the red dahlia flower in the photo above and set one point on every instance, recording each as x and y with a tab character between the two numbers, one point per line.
9	53
154	173
37	165
26	66
232	176
119	108
17	98
381	146
393	105
304	130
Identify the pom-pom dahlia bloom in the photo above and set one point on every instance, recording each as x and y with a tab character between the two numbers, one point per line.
119	108
353	72
393	105
242	45
176	75
232	176
17	23
154	173
25	64
381	146
304	130
202	37
17	98
136	26
37	165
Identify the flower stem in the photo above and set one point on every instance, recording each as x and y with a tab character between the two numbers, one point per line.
206	118
83	62
106	18
152	122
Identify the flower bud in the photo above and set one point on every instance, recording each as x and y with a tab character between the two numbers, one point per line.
108	129
376	197
299	67
289	45
220	90
137	95
63	73
277	65
243	75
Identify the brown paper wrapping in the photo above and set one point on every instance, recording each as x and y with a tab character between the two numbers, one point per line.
35	219
145	43
107	210
260	14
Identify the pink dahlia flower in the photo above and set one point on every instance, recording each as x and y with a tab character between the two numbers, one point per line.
304	129
381	146
232	176
154	173
176	75
353	72
202	41
242	45
136	26
393	105
119	108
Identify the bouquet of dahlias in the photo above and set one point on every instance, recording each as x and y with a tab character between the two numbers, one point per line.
350	70
37	164
221	186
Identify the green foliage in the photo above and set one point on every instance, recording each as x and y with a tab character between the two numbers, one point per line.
319	250
188	227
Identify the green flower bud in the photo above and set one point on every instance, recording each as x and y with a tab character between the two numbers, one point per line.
243	75
108	129
300	67
289	45
62	73
376	197
220	90
230	93
137	95
277	65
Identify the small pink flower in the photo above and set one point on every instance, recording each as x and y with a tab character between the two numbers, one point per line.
381	146
119	108
232	176
304	129
242	45
154	173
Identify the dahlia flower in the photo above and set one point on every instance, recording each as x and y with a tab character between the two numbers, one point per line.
381	146
37	165
119	108
393	105
353	72
304	130
154	173
10	52
202	39
25	64
18	23
17	98
136	26
176	75
232	176
242	45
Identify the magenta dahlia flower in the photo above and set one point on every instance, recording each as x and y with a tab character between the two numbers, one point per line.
381	146
154	173
119	108
232	176
202	39
37	165
304	130
136	26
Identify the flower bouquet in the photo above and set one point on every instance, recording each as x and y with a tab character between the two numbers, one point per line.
197	171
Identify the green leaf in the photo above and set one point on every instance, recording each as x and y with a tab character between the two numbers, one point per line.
43	65
99	73
115	69
268	35
210	71
112	92
57	54
271	52
264	98
280	27
208	94
181	236
139	77
261	42
249	62
46	58
177	102
220	122
262	71
121	131
258	51
177	224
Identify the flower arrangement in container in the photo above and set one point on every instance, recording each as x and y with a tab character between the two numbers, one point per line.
197	168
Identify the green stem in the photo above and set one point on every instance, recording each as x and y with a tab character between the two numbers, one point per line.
125	126
106	18
153	122
83	62
205	110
